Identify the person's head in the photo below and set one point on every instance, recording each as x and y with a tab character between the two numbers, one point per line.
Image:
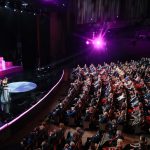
143	139
119	143
105	114
66	146
118	132
5	79
72	144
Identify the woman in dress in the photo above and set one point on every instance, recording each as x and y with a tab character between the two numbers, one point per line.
5	96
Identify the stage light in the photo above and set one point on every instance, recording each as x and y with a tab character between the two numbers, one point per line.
46	0
99	43
15	10
21	11
87	42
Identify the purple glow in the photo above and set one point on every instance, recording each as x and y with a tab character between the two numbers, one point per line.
24	113
87	42
98	43
49	1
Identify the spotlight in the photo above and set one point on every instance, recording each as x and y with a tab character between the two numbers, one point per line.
6	6
21	11
87	42
15	10
99	43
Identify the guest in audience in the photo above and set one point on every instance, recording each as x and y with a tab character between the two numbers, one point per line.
117	94
143	143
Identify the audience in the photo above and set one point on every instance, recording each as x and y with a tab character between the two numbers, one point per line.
114	97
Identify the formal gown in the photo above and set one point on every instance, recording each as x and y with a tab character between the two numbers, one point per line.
5	99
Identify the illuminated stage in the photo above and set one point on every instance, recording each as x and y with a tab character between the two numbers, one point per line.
27	96
10	70
7	67
23	86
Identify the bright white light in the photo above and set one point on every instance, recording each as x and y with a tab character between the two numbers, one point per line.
87	42
98	43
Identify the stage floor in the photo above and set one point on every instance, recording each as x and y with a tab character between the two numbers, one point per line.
22	86
10	70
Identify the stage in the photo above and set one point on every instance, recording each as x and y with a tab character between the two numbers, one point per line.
22	86
27	90
9	98
10	70
7	67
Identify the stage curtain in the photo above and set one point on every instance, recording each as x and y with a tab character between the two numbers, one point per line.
57	36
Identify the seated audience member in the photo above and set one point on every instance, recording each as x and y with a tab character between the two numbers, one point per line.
143	143
120	144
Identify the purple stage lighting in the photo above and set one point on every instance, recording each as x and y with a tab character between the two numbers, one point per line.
98	43
87	42
49	1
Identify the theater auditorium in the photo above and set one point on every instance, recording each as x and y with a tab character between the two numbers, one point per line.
74	75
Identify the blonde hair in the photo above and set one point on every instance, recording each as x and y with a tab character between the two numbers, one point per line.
120	143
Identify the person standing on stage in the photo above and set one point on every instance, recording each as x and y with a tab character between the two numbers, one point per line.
5	96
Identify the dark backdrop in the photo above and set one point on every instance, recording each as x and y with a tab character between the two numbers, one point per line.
33	40
8	34
18	37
